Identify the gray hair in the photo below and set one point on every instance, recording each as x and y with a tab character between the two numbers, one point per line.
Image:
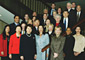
57	16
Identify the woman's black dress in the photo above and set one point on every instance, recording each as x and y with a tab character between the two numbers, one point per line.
27	46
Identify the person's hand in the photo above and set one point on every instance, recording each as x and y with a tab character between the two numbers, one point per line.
55	55
2	53
22	57
35	56
76	54
10	56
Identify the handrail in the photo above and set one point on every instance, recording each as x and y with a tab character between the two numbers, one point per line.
81	21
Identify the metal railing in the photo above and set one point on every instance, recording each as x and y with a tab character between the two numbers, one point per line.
35	5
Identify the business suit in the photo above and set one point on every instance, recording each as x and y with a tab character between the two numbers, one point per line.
72	17
13	28
51	14
57	44
67	21
35	30
81	16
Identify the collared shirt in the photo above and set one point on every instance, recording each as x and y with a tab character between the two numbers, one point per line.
69	10
16	23
79	43
50	32
79	13
52	11
66	21
73	8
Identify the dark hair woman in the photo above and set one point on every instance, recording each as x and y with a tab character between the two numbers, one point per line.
27	45
41	41
4	38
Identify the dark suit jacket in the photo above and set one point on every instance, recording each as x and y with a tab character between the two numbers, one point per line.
72	17
49	12
69	21
12	28
82	16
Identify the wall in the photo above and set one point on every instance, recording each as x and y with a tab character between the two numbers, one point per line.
2	24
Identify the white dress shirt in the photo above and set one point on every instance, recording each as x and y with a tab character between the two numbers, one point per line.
79	13
66	21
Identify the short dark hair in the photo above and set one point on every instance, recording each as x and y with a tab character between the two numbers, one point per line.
16	16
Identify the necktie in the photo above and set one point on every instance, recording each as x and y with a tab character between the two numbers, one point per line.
78	17
65	23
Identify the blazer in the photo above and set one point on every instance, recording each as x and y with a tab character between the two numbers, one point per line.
3	46
57	44
14	44
12	28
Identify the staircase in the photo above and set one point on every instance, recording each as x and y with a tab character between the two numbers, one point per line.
35	5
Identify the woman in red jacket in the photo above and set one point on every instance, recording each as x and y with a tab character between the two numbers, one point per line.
4	38
14	44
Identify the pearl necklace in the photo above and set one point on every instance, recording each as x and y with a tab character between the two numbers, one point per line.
28	35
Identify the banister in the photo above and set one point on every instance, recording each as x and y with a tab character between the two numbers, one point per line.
81	21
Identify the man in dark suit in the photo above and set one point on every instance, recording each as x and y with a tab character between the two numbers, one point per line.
52	9
26	18
43	20
72	14
14	24
74	6
66	20
79	14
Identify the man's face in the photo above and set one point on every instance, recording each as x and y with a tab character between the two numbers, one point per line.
78	8
68	6
65	14
73	5
78	30
26	17
16	19
53	6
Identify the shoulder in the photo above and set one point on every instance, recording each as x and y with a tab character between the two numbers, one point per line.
13	35
11	24
63	38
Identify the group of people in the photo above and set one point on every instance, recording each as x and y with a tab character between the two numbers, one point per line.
25	40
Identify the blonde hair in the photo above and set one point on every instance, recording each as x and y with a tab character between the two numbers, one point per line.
51	25
58	27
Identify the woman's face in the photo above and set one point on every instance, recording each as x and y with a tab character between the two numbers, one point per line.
18	29
59	10
7	29
58	19
40	29
47	22
68	31
23	25
29	30
37	22
50	28
57	31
